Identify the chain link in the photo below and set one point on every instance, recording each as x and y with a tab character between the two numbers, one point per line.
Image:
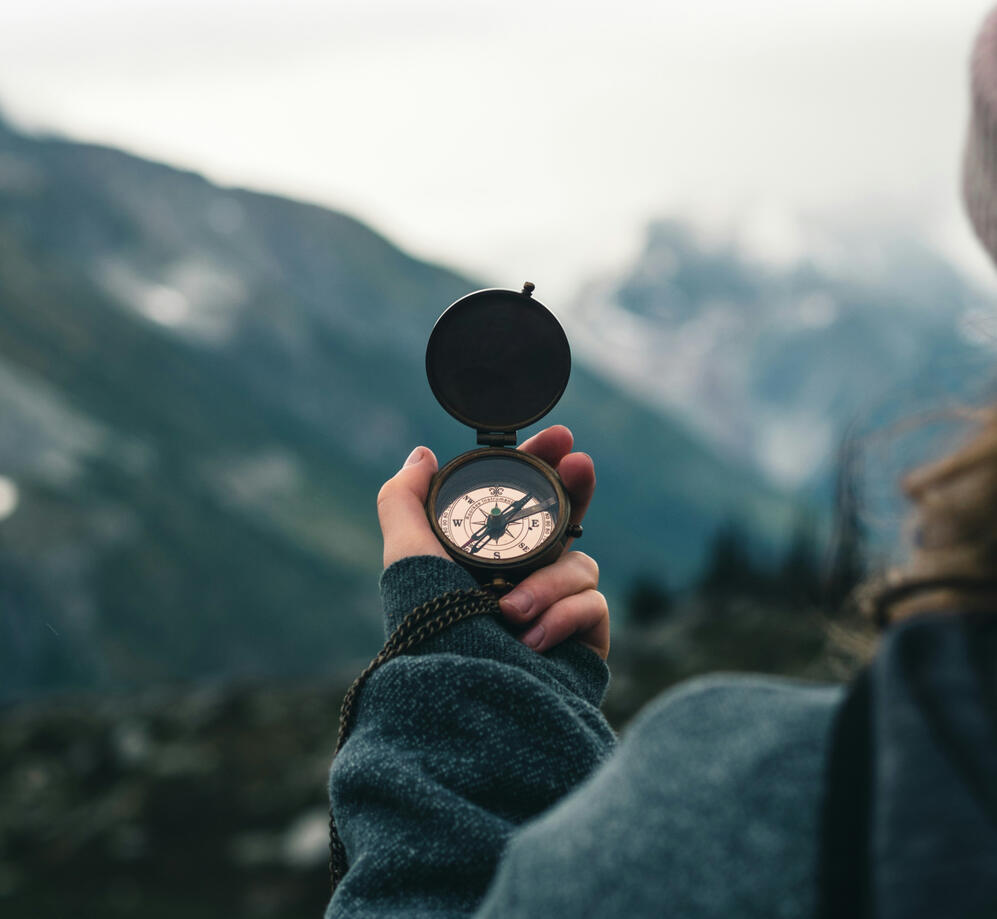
423	622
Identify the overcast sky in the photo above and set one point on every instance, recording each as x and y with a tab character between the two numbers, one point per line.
521	139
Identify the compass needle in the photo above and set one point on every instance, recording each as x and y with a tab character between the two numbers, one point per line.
530	511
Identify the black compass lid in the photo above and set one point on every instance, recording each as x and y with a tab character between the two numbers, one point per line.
498	360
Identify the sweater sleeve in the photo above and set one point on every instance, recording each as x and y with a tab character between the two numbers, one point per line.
454	746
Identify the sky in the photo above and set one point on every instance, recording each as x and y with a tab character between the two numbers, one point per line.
525	138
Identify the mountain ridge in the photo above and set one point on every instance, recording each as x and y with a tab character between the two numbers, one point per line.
776	361
236	374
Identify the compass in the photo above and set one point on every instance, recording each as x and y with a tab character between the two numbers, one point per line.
498	360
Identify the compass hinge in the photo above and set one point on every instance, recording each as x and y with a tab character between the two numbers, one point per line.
497	438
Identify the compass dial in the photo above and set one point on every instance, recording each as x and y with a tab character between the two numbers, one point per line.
498	522
497	507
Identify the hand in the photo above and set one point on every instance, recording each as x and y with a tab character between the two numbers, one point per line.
558	602
563	596
401	510
562	600
401	503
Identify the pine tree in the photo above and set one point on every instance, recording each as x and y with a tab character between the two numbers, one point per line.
798	578
729	569
648	601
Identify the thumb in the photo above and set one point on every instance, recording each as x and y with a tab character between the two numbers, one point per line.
402	512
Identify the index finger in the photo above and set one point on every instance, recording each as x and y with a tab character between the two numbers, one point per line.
576	470
551	444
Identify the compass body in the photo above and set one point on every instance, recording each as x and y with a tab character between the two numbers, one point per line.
498	360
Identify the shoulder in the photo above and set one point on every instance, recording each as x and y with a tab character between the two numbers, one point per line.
744	713
711	804
725	729
741	758
759	740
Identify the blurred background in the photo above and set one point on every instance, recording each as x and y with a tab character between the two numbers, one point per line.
226	230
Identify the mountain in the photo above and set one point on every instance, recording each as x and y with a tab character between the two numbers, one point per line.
201	389
773	359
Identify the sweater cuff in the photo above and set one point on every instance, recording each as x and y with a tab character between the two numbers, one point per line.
415	580
591	670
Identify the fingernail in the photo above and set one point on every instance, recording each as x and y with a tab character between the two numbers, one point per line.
534	636
413	457
518	602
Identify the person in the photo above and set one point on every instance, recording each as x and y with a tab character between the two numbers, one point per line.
480	779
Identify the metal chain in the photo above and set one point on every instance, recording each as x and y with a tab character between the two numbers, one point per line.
423	622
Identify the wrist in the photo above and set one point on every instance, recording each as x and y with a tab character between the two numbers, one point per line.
416	579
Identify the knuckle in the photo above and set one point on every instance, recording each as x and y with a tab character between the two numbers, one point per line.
592	605
559	623
588	565
386	492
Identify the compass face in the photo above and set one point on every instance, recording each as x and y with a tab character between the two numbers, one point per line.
497	508
487	522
